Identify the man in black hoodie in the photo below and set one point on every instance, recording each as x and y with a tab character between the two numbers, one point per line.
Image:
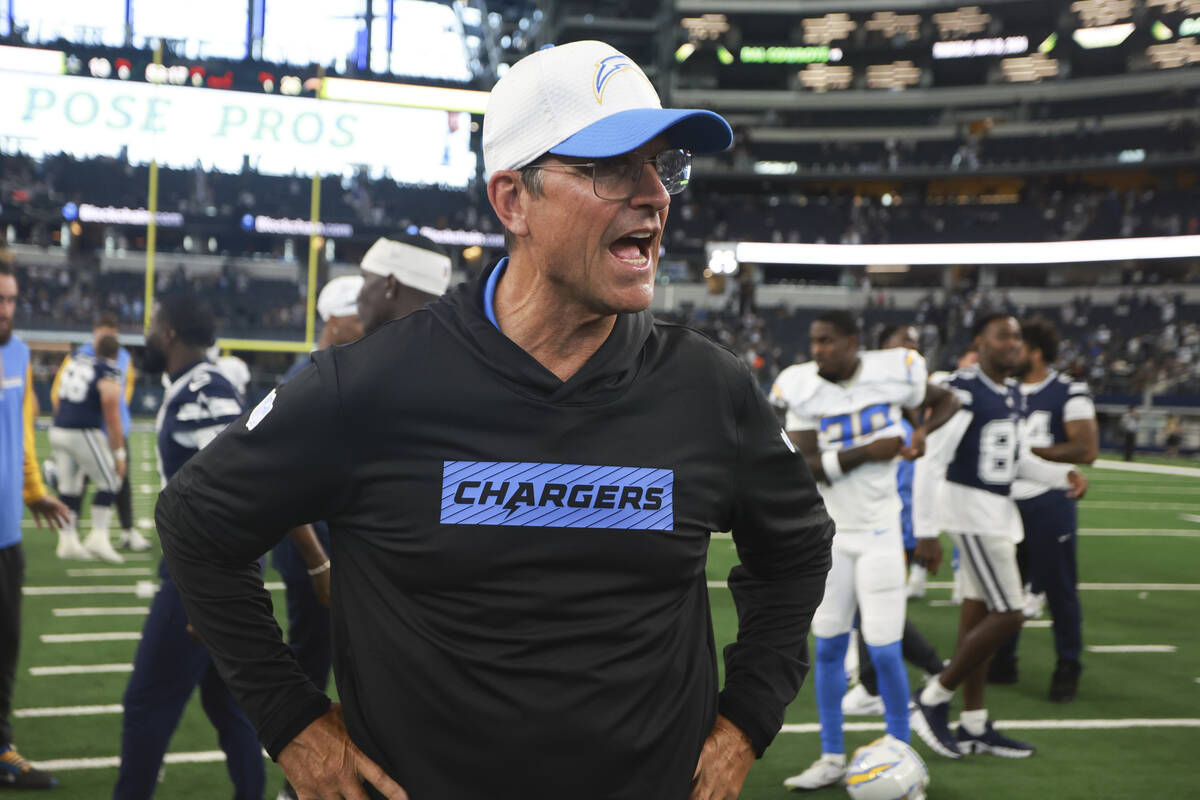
521	480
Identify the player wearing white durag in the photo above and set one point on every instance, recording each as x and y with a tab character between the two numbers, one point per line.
400	277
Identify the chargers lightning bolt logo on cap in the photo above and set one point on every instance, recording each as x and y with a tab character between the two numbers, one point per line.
606	68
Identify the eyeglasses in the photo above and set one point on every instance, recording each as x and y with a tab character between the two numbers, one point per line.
617	178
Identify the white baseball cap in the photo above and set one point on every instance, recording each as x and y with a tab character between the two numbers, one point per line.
339	298
585	99
425	270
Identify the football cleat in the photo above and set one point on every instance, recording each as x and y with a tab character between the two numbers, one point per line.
825	771
1065	682
918	578
886	769
932	724
858	702
98	545
70	548
17	773
134	541
50	475
994	742
1033	604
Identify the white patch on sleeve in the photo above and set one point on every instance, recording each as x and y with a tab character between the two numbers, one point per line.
260	411
786	440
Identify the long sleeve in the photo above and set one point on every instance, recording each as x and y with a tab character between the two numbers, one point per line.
929	471
34	489
283	464
783	535
1037	469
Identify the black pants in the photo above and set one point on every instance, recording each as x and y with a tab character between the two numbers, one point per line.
125	494
916	649
1051	567
12	578
1130	445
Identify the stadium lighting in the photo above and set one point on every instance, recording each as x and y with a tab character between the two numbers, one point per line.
1106	36
1028	69
897	76
975	48
1102	12
965	21
823	77
403	94
1174	54
827	29
788	55
31	59
845	255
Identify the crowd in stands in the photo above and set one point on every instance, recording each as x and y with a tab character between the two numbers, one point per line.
1149	341
1038	214
70	297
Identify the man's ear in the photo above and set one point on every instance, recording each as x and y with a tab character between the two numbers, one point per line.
509	199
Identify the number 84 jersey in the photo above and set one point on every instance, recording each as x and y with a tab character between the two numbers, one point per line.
964	482
849	414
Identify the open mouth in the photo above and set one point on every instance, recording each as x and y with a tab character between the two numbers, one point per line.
633	249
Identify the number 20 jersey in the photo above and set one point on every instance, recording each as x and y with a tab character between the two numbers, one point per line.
852	413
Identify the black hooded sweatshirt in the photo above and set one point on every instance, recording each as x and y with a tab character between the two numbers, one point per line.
520	604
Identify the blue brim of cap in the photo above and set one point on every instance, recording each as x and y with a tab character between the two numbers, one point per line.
689	128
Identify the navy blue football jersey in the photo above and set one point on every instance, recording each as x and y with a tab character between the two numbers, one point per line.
1050	405
987	453
79	391
196	407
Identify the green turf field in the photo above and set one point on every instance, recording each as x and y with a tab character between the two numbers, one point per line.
1113	742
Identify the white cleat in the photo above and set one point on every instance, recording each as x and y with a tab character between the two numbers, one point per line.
858	702
825	771
1033	605
918	577
70	548
99	546
134	541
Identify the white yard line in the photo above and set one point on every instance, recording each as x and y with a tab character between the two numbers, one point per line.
76	638
1089	587
110	572
1157	469
112	762
1135	506
103	611
1027	725
1169	532
68	711
148	586
1131	648
79	669
1184	532
1038	623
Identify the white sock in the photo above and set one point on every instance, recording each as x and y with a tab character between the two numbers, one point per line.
974	721
836	758
101	516
68	533
934	694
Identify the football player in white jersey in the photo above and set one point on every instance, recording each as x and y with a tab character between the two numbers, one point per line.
963	487
843	414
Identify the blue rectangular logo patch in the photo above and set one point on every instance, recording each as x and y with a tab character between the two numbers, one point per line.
529	494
